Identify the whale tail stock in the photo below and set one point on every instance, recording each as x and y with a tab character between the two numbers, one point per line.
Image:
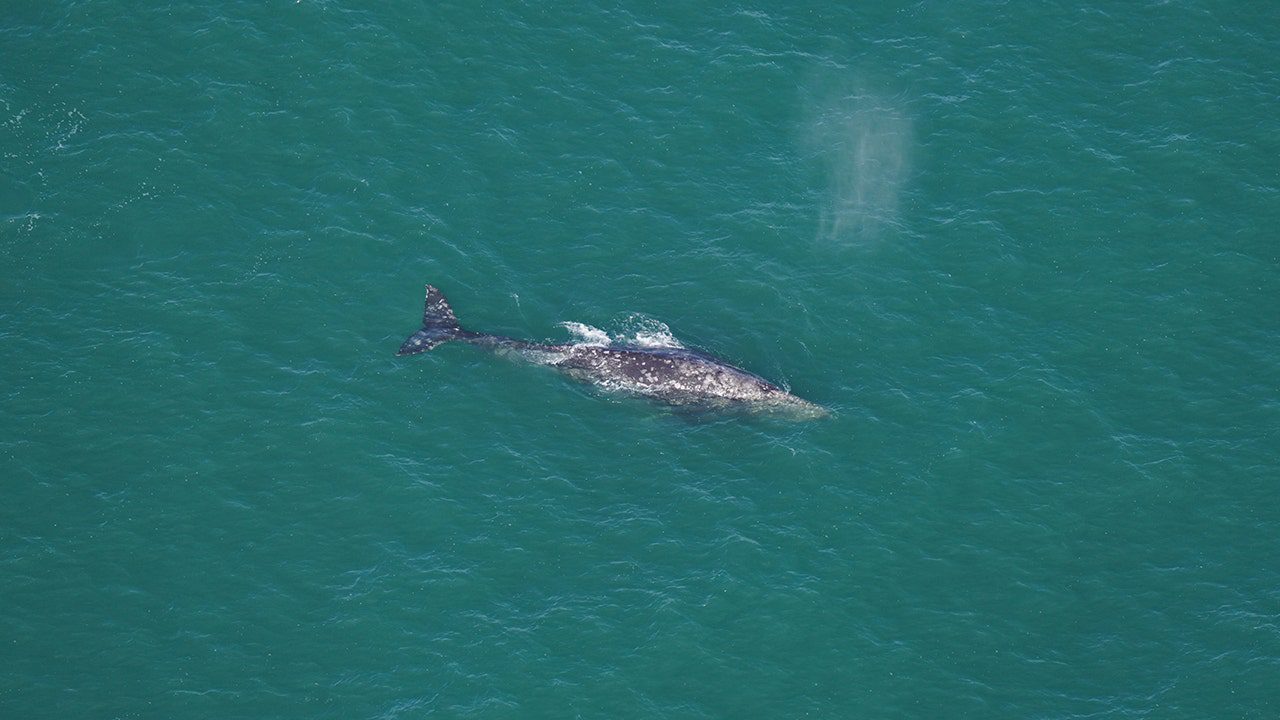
438	325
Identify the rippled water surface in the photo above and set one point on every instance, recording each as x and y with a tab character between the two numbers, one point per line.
1026	252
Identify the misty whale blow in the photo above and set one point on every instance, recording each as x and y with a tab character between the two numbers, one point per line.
677	376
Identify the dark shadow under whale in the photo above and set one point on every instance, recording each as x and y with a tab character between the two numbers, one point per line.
676	376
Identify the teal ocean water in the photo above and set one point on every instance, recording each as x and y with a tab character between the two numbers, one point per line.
1026	252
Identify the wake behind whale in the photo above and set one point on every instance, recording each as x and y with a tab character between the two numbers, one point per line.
673	375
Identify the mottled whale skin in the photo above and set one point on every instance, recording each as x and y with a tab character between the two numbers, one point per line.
676	376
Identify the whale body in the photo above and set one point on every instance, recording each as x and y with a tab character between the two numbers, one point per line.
676	376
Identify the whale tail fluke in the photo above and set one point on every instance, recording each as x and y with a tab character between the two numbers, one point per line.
439	325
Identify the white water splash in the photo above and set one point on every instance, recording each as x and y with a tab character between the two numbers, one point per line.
636	331
587	335
645	332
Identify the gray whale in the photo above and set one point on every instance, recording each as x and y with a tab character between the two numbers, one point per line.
676	376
